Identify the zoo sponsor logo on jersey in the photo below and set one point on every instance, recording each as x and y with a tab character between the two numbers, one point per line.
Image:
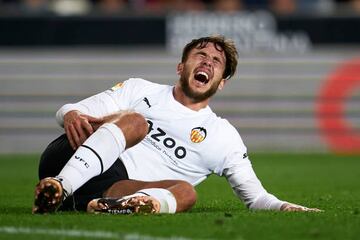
160	136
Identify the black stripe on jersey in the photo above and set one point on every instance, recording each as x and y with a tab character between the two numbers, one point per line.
101	162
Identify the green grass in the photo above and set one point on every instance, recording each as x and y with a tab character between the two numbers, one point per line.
328	182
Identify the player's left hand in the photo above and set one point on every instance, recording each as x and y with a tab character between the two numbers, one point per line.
291	207
78	127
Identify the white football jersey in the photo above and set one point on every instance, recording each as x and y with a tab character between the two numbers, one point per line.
181	144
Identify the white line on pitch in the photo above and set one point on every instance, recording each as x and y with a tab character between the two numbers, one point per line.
83	233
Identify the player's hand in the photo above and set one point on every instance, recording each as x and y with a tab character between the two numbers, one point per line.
78	127
291	207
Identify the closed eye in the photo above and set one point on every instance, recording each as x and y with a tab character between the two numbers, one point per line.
216	60
202	54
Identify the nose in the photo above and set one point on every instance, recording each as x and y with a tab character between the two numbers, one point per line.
207	62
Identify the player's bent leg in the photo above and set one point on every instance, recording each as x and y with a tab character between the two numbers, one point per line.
49	192
98	152
183	194
59	151
49	195
54	157
133	125
59	154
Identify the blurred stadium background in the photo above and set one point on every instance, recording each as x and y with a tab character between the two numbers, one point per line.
291	93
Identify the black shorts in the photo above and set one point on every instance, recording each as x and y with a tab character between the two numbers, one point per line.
54	158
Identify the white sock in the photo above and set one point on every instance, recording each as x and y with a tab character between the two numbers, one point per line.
165	197
93	157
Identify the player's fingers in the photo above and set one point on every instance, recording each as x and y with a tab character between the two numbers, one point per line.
82	136
96	123
94	119
314	210
88	128
300	209
306	209
75	136
70	137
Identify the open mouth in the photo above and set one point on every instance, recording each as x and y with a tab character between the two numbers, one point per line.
202	77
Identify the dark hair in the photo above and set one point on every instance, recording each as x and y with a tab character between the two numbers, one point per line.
221	44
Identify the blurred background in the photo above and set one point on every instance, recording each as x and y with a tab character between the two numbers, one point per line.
297	88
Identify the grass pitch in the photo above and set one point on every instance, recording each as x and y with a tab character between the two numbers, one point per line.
316	180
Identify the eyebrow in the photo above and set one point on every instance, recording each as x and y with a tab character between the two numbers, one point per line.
204	53
201	52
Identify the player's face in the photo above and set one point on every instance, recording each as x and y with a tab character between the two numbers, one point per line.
201	75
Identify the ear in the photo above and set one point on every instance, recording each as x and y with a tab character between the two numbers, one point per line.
179	68
222	84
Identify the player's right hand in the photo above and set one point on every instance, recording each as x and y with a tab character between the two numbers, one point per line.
291	207
78	127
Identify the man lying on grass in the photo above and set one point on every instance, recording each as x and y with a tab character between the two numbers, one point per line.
142	146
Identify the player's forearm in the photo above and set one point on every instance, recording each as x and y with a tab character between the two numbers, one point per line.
98	105
266	201
255	196
248	187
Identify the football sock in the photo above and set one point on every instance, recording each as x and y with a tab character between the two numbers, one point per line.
93	157
165	197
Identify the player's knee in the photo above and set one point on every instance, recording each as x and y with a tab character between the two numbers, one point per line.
189	196
134	127
138	123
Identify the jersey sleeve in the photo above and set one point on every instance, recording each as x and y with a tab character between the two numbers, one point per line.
239	172
124	95
243	180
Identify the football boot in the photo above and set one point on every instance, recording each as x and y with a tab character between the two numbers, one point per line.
126	205
49	195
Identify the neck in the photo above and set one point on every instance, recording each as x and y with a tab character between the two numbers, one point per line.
180	96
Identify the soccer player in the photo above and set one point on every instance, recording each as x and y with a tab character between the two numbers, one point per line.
142	146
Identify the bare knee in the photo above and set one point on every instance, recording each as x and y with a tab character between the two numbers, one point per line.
185	195
133	125
138	123
191	193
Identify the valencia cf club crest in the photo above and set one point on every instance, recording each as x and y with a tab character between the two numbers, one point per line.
198	134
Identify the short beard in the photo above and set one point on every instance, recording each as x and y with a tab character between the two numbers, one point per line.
196	97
